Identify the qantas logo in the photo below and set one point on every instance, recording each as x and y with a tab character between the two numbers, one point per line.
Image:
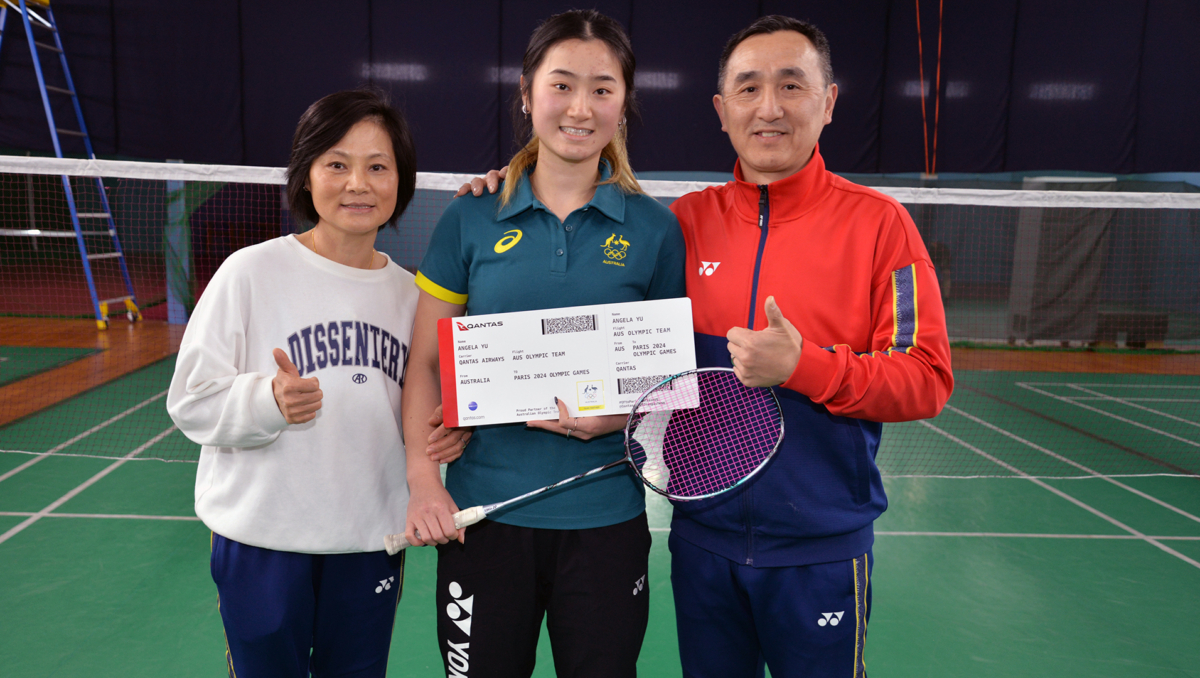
463	327
709	267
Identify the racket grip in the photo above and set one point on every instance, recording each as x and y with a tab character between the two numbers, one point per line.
469	516
395	543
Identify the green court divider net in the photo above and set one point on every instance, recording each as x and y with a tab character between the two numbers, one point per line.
1073	310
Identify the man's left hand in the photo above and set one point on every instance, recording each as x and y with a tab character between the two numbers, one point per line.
767	357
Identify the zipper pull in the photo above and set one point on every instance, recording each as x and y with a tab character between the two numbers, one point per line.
762	205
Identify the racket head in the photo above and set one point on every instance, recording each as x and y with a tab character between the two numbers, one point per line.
702	432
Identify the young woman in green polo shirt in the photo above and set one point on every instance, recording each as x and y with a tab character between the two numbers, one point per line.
577	556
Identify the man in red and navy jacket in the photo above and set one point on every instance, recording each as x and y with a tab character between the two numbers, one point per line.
823	289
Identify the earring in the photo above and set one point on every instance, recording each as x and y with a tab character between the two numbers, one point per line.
622	123
524	110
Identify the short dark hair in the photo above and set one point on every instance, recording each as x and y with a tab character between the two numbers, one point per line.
326	122
773	24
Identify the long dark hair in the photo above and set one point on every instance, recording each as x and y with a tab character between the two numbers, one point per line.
577	24
326	122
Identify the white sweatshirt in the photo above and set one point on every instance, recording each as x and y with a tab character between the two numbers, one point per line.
336	484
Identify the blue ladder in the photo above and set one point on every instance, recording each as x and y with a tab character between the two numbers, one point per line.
32	19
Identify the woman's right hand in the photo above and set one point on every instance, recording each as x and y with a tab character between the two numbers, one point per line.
491	181
298	399
431	516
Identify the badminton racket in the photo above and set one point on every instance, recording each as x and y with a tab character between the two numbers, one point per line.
694	435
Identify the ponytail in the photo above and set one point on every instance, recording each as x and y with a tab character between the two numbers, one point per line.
618	159
517	167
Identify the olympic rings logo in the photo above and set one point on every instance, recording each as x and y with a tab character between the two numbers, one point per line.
615	246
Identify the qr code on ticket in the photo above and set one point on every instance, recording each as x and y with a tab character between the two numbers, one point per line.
640	384
574	323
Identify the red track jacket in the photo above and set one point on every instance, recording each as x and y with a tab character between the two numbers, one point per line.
847	267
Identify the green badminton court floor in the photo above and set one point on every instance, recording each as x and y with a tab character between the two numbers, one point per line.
105	567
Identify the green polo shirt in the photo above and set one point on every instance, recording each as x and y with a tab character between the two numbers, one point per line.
617	248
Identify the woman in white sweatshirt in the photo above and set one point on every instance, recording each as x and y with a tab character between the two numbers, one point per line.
289	376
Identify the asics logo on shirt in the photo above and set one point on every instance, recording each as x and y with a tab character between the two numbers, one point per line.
510	240
709	267
830	618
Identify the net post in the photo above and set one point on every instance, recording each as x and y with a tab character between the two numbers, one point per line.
1024	268
177	242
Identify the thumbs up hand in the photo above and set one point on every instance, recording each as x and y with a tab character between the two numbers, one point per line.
298	399
767	357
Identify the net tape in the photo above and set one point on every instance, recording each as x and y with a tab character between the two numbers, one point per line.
438	181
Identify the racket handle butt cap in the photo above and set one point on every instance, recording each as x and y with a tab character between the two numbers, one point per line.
395	543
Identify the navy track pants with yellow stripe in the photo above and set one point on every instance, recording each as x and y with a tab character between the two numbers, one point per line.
802	621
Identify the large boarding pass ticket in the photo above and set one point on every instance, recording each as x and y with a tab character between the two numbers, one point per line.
509	367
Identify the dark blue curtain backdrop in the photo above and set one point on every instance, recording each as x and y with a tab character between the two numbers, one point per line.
1094	85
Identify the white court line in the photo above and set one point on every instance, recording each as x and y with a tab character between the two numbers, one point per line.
100	456
1116	385
1101	476
1140	400
888	533
1064	495
1076	464
86	484
118	516
1029	535
81	436
1143	408
1029	386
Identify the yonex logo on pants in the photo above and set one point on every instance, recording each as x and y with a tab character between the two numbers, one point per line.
639	584
385	585
457	657
459	606
831	618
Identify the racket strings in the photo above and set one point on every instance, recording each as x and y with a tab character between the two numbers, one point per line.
715	434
